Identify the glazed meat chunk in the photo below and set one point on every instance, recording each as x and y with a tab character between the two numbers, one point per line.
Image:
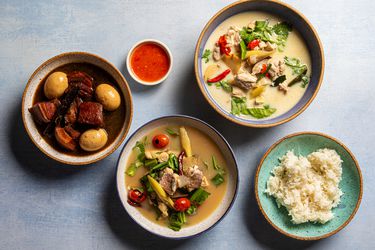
91	113
43	112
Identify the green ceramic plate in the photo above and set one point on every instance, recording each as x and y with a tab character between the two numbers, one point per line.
351	184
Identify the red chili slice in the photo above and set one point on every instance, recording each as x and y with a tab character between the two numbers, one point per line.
219	77
223	45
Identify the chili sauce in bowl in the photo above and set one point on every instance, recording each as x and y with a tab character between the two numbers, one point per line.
149	62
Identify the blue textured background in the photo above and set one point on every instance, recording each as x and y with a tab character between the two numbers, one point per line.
45	205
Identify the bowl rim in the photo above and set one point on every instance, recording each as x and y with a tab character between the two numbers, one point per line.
160	44
129	102
360	186
237	180
250	123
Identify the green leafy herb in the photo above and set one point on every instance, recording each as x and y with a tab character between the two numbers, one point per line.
217	179
282	31
171	132
140	145
199	196
206	55
191	210
295	64
173	162
260	113
298	78
238	105
279	80
132	169
225	86
261	31
298	69
243	50
277	34
176	220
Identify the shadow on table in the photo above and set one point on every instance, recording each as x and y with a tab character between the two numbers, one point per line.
262	231
29	157
126	230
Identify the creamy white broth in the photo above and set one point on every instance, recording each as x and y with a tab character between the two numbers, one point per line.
295	47
203	148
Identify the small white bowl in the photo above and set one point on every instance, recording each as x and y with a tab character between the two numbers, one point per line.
128	61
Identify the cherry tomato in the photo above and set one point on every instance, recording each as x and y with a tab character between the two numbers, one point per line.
182	204
253	43
160	141
136	196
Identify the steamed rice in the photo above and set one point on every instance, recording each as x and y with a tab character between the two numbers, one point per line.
307	186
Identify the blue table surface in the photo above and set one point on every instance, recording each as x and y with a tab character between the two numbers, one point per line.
46	205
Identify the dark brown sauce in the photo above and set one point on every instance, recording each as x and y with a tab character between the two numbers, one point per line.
113	120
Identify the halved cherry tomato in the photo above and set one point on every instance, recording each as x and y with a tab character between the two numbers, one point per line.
253	43
136	196
182	204
160	141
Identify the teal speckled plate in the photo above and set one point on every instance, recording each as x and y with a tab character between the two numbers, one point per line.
305	143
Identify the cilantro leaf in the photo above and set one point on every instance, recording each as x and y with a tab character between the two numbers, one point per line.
282	31
206	55
225	86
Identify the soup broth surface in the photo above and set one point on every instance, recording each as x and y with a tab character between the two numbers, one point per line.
204	148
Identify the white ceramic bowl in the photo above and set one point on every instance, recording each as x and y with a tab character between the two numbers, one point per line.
130	70
216	215
30	90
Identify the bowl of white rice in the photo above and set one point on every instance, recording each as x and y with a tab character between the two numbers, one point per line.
308	186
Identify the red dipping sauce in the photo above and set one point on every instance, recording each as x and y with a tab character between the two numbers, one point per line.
149	62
